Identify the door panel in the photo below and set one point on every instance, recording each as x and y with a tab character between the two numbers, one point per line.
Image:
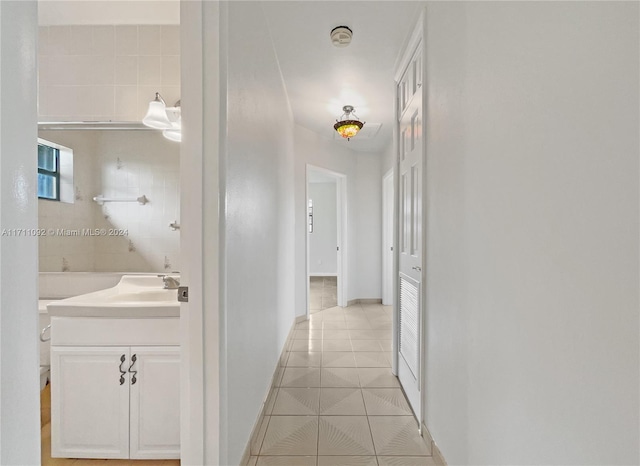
89	402
155	402
410	156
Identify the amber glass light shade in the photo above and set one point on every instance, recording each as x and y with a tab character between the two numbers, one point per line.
348	128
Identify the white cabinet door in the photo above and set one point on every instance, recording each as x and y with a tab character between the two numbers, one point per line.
155	402
89	402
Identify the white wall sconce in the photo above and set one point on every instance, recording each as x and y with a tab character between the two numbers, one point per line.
168	119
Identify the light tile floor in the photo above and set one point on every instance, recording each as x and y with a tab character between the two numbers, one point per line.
337	403
323	293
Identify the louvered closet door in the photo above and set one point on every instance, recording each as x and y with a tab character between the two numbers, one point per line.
410	157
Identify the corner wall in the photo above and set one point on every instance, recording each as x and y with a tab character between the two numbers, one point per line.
532	232
258	222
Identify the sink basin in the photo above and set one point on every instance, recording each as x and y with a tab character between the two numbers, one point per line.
134	296
143	296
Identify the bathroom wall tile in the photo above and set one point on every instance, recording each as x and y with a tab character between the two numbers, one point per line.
86	56
171	94
82	101
149	71
45	65
59	40
81	40
54	98
126	98
170	40
126	72
126	40
44	47
104	40
149	40
103	100
171	71
102	70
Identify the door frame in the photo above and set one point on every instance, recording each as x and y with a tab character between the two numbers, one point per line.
341	221
416	39
388	209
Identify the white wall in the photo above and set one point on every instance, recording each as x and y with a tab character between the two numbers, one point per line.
257	257
532	232
116	164
19	413
106	72
323	255
364	213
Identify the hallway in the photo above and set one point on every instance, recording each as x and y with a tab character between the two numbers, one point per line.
337	403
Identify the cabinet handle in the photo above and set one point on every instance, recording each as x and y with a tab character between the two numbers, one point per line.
122	373
44	330
133	377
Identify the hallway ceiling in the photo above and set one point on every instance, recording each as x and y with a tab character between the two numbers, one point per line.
321	79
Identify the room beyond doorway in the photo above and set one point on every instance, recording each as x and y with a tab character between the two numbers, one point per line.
323	293
326	229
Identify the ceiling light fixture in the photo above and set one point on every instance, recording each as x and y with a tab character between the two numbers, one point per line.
168	119
349	124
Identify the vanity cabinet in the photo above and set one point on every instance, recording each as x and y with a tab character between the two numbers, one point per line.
116	399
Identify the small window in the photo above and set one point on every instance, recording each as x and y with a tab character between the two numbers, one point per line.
55	172
48	172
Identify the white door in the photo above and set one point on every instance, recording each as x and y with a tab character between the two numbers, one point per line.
89	402
155	402
387	239
410	155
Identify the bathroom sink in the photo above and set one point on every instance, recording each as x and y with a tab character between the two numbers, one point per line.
134	296
143	296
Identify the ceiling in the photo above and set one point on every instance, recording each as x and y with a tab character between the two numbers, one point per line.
321	79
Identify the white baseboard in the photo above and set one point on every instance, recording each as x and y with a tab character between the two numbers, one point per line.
433	448
268	402
323	274
351	302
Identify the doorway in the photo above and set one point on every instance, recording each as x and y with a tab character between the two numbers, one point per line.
326	224
387	238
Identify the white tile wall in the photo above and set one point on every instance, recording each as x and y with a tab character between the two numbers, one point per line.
106	72
118	164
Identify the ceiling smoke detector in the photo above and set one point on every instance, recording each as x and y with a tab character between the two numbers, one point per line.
341	36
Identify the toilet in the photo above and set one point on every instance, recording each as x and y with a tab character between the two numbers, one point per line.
44	334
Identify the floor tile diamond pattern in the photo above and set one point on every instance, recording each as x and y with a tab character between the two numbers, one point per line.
344	435
291	435
397	436
341	402
336	402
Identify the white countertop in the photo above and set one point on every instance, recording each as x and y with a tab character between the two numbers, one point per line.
132	297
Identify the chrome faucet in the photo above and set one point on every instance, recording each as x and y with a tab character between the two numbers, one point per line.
170	283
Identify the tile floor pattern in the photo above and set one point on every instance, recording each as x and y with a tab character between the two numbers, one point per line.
337	403
45	439
323	293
